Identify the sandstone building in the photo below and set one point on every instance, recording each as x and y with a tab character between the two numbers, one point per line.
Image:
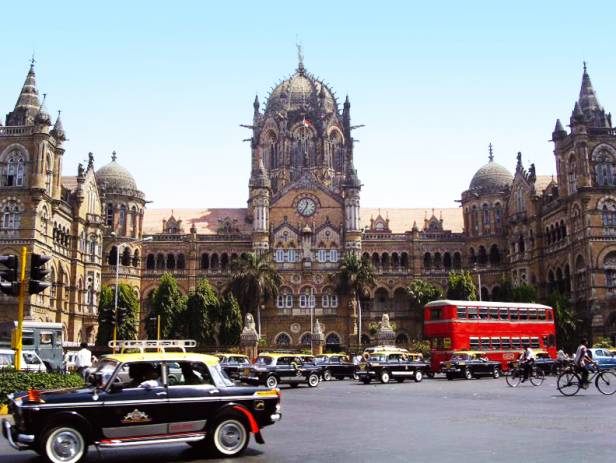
303	206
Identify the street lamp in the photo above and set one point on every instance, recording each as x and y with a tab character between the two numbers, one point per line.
476	269
259	309
311	306
117	276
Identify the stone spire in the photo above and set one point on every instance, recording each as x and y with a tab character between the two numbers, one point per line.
593	113
28	104
42	116
491	155
58	129
559	131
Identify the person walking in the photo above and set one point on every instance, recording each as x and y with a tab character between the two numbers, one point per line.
83	360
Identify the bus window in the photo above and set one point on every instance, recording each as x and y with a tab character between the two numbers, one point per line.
496	344
549	314
515	343
473	313
494	313
45	338
532	314
525	342
474	343
503	314
461	312
483	313
506	343
27	338
513	314
534	343
523	314
435	314
541	314
485	343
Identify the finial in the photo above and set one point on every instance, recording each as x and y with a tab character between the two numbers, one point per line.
32	61
491	155
90	160
584	66
300	56
114	156
44	98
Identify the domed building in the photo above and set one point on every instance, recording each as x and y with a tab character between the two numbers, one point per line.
123	206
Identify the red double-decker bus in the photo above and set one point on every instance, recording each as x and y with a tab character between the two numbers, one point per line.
500	329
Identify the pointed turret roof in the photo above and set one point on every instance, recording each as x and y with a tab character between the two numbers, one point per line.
58	129
588	98
587	107
28	104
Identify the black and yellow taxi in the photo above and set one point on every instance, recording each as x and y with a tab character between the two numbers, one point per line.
233	364
470	364
272	369
390	364
335	366
130	402
545	362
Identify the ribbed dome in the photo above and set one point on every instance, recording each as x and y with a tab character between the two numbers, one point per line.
491	176
115	176
300	91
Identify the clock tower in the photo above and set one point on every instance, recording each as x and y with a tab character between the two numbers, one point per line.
304	201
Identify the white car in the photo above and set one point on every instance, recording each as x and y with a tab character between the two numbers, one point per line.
30	361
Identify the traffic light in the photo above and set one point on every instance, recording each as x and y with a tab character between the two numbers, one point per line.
38	273
120	316
107	316
10	275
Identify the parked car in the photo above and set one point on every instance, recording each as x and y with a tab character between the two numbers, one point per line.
274	369
30	361
203	409
233	364
387	365
469	365
335	366
604	357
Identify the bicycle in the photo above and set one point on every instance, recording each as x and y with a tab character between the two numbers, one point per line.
516	373
570	382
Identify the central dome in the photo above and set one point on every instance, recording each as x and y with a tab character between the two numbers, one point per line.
491	176
115	176
302	91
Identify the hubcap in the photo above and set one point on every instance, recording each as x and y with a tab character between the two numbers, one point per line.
65	445
231	436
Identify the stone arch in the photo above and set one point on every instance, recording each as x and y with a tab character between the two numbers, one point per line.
181	262
427	261
402	339
170	261
205	261
305	340
457	260
136	258
482	256
113	256
381	299
283	339
485	294
447	261
126	257
401	300
494	257
333	341
376	260
404	260
437	260
160	261
214	262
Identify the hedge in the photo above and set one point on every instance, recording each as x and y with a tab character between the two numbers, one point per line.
14	381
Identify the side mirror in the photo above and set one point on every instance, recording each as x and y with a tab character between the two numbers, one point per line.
116	387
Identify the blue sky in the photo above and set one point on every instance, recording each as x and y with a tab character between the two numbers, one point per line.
167	85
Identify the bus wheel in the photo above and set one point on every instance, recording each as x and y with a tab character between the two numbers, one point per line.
468	374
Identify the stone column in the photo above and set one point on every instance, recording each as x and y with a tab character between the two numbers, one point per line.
249	339
386	336
318	339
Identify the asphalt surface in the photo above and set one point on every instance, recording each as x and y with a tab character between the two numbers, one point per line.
432	421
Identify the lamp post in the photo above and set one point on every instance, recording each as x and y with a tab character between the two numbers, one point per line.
311	306
259	309
476	269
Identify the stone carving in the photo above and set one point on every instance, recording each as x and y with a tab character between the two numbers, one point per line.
249	324
385	335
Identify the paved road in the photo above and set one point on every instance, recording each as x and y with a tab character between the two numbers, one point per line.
433	421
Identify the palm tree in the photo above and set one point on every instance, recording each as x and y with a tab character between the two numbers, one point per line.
254	281
353	277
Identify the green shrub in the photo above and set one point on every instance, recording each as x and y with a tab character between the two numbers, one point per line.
14	381
421	346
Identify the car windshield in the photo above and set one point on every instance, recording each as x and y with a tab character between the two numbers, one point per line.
31	358
264	361
106	369
460	357
377	358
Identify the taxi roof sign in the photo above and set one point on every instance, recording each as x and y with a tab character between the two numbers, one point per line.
144	345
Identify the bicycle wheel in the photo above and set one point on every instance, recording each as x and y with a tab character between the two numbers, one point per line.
537	377
606	382
568	383
513	378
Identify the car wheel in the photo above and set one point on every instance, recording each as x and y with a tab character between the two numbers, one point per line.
418	376
384	377
64	444
468	374
327	375
271	382
313	380
496	373
355	377
228	436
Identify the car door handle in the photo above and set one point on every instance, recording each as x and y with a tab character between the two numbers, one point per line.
161	393
214	391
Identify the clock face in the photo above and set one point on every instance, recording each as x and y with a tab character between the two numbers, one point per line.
306	207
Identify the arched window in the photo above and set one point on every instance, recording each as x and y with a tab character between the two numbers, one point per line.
498	213
404	260
401	300
571	176
472	258
381	300
11	216
113	256
49	176
329	300
457	261
336	151
271	151
122	220
332	342
475	220
224	261
283	340
109	215
306	298
284	299
150	262
482	257
609	263
447	261
136	258
494	255
160	261
170	262
126	258
427	262
437	261
306	340
205	261
521	244
520	200
303	147
486	216
214	262
376	260
181	262
604	168
133	222
15	171
608	214
580	272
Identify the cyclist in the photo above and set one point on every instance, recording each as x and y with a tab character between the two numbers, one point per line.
582	359
527	358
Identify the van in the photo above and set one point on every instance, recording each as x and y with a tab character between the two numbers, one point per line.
43	338
30	361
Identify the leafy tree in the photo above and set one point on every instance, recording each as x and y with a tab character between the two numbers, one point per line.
565	319
202	307
126	299
354	277
460	286
521	293
421	292
168	303
603	342
230	321
254	281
